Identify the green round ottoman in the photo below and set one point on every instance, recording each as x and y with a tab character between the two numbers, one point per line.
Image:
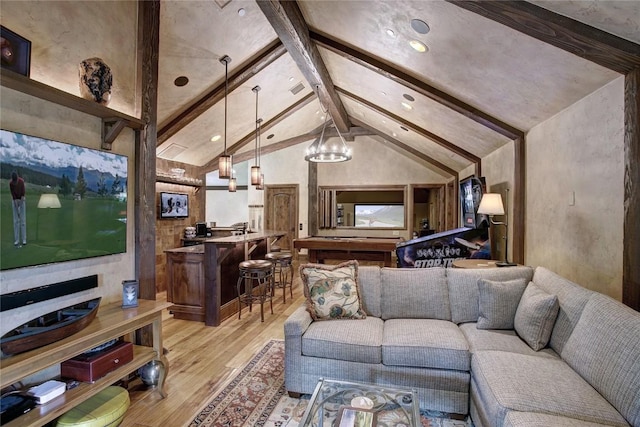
105	409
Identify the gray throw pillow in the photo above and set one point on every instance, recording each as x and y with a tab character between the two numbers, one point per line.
536	316
498	302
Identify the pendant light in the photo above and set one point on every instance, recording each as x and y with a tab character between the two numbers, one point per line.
232	184
255	169
321	151
225	162
261	185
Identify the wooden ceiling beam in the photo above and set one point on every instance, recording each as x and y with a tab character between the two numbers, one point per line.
392	73
412	126
407	148
213	163
236	79
286	19
592	44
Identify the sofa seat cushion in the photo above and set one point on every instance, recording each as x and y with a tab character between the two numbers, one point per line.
503	382
425	343
346	339
534	419
500	340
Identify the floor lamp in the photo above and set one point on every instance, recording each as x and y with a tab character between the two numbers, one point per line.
491	204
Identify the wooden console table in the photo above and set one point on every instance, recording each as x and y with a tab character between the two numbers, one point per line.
112	321
346	248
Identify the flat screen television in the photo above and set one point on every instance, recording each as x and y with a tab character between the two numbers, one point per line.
75	203
174	205
379	216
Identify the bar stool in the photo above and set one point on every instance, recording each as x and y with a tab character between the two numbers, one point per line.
260	271
282	272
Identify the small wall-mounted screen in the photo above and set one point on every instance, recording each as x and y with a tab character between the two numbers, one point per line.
379	216
174	205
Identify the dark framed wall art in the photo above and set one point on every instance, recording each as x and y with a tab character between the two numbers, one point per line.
15	52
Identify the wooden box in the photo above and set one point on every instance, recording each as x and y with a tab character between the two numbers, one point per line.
91	367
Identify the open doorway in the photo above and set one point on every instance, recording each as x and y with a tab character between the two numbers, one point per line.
428	209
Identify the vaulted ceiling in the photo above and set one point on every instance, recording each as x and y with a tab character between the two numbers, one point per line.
491	71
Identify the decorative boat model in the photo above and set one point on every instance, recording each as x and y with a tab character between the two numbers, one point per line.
49	328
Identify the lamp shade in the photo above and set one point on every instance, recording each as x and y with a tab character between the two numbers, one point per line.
255	175
491	204
232	185
49	201
224	166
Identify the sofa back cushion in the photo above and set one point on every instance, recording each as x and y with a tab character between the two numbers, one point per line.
414	293
535	317
571	299
463	288
498	302
604	349
370	289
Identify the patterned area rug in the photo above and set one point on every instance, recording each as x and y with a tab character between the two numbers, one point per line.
257	397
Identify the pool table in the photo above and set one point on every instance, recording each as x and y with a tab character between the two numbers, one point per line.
346	248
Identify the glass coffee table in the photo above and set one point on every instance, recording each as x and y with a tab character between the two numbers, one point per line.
349	404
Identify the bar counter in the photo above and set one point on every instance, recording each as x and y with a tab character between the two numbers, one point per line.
202	278
222	256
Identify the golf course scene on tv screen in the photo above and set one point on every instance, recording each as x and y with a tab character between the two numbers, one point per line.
59	202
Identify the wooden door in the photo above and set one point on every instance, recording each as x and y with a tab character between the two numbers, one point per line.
281	212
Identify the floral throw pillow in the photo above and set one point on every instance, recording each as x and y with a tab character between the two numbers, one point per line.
332	291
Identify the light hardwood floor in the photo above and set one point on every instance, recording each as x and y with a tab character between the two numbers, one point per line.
203	359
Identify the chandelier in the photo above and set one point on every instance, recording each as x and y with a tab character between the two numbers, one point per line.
327	149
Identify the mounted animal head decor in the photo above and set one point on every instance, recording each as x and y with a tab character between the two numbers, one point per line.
95	80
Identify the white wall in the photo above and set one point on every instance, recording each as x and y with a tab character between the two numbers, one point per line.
40	21
579	154
282	167
28	115
497	168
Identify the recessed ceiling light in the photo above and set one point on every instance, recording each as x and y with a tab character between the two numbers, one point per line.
394	134
404	128
390	32
406	106
418	45
384	93
270	136
291	78
408	97
241	11
215	138
384	122
420	26
181	81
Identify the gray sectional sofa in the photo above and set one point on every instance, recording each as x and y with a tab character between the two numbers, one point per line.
422	330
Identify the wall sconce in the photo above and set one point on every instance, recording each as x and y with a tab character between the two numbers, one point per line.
491	204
